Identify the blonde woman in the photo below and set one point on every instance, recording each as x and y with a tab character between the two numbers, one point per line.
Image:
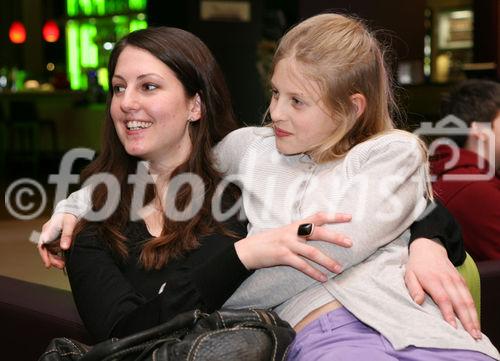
333	147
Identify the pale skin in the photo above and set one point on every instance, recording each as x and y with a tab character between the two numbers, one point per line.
282	246
481	138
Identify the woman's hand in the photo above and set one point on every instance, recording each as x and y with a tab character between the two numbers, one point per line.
51	230
282	246
430	271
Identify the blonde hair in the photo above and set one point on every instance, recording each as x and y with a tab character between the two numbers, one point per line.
344	58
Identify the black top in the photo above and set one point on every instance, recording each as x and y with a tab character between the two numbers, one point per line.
117	298
440	224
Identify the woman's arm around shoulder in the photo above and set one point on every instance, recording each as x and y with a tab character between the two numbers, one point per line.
386	190
232	149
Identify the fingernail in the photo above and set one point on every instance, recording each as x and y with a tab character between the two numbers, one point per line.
453	322
477	334
348	241
337	269
323	278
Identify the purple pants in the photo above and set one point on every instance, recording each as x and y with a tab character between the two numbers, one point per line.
340	336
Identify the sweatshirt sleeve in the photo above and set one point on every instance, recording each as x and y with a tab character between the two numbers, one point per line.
78	203
384	192
230	151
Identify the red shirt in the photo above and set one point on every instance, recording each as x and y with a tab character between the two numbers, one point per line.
474	203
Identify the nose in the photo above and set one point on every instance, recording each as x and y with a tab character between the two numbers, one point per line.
129	101
277	110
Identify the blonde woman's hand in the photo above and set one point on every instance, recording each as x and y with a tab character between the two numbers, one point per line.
283	247
429	271
59	225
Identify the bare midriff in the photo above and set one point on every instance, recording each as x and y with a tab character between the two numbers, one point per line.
313	315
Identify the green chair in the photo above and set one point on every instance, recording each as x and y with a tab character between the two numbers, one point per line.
469	271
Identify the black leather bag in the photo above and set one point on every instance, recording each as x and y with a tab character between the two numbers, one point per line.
242	335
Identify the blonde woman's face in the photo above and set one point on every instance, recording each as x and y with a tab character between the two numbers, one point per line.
299	117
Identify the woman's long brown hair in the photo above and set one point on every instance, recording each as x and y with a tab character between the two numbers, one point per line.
195	67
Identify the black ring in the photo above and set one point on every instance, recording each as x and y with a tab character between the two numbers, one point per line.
305	230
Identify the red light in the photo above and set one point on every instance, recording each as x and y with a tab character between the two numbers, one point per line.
50	31
17	32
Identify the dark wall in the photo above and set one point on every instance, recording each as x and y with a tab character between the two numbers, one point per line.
32	55
234	45
486	32
10	54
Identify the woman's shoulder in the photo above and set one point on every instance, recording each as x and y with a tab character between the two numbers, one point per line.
394	142
394	138
236	145
391	149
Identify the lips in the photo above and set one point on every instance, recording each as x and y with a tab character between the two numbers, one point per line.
280	133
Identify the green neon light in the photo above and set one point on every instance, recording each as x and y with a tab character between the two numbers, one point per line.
138	25
81	50
110	7
72	7
102	78
121	26
120	19
72	52
137	4
86	6
89	56
101	6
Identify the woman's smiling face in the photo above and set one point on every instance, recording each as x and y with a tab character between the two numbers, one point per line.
150	109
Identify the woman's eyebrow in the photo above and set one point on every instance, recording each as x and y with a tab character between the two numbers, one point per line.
149	74
118	76
139	77
300	94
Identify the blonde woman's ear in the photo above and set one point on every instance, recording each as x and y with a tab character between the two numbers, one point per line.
359	102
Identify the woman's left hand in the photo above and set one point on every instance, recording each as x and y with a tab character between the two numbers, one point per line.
430	271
